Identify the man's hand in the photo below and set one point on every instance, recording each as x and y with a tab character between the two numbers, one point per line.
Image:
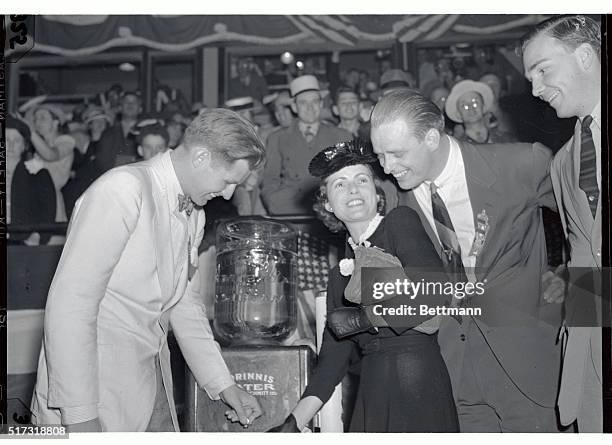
554	285
91	426
245	407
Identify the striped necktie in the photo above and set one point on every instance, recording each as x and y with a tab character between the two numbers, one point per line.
450	243
587	181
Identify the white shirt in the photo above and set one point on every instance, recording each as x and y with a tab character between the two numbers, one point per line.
452	188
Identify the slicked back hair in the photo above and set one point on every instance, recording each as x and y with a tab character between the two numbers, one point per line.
571	30
227	135
412	107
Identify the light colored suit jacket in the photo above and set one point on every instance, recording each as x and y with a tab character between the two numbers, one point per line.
510	183
115	294
583	233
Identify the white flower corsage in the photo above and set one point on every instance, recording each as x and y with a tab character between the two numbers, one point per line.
347	266
34	165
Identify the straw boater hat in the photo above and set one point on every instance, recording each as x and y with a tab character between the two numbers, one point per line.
304	83
466	86
240	103
93	113
343	154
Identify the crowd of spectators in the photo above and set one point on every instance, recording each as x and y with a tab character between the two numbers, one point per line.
75	146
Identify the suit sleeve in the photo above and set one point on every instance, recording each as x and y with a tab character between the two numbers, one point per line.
542	182
271	181
194	335
102	223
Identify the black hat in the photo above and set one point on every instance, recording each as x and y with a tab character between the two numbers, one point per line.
20	126
341	155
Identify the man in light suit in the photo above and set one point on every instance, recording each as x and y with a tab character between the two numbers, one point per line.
128	274
561	57
504	364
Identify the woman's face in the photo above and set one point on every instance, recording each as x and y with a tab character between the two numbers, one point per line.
470	107
44	122
351	194
15	145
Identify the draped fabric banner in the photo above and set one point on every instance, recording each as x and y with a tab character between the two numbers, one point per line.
84	35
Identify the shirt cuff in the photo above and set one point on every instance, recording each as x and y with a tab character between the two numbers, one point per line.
79	414
213	390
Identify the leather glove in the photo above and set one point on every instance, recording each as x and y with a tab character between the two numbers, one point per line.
347	321
288	426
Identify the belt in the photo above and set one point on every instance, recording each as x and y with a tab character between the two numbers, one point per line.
414	338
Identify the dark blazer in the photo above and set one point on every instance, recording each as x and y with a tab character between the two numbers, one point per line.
32	200
510	183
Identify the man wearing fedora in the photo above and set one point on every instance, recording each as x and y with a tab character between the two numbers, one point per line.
562	59
481	207
287	187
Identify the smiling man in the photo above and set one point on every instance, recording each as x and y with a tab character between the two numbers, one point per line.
481	207
128	273
562	59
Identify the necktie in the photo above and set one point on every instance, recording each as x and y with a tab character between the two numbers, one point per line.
185	204
309	134
448	237
587	180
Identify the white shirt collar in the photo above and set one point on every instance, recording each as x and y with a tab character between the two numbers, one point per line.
596	114
171	180
372	226
448	172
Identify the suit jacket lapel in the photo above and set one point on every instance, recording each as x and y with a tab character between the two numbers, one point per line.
163	244
481	178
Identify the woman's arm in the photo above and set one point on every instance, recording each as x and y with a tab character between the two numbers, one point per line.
44	150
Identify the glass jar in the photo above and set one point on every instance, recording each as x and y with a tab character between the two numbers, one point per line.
256	281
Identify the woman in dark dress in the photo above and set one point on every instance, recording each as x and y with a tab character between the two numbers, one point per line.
404	384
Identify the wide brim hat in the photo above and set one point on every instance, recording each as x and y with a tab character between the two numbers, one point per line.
304	83
240	103
466	86
340	155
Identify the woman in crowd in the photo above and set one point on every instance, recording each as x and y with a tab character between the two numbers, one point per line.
468	103
55	149
30	191
404	384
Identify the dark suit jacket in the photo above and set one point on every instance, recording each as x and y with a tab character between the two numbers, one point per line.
511	183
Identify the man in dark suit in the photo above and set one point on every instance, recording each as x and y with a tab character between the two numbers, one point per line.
562	59
504	364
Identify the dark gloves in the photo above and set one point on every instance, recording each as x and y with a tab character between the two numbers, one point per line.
347	321
288	426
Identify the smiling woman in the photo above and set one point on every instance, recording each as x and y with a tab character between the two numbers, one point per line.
404	384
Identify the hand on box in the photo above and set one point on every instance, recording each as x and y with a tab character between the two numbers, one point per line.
245	408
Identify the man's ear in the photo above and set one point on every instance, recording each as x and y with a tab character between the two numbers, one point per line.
586	56
140	151
201	157
335	110
432	139
293	107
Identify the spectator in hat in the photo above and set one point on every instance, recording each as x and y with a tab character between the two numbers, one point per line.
249	82
49	123
468	103
93	162
346	107
282	109
287	188
394	78
29	187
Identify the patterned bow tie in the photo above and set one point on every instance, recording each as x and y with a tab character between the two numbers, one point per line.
185	204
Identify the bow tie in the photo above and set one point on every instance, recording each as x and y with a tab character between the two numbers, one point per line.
185	204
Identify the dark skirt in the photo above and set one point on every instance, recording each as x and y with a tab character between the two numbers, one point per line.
404	387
